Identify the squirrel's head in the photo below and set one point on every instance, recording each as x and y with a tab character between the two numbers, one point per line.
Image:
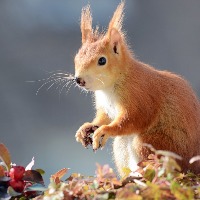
98	62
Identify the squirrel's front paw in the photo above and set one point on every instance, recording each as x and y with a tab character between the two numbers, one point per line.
100	137
84	132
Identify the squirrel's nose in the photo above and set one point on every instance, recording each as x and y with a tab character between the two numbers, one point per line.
80	81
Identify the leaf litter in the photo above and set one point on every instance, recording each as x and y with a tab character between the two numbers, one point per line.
158	178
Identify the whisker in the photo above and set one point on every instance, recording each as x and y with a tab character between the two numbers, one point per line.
63	75
60	79
69	87
60	86
45	79
55	81
59	83
100	81
43	86
65	85
50	86
50	72
59	75
56	76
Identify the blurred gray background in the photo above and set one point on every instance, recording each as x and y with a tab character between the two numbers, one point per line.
42	36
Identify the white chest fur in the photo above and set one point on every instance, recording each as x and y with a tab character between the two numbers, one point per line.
106	99
123	150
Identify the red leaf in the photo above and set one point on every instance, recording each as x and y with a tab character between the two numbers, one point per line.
33	176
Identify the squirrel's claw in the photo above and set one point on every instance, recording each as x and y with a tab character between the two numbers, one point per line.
83	135
99	138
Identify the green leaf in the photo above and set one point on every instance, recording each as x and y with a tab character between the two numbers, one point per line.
169	177
5	156
181	193
174	186
154	191
149	174
161	172
22	198
12	192
95	185
36	187
102	196
41	171
126	171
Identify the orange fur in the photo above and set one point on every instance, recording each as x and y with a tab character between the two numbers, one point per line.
135	103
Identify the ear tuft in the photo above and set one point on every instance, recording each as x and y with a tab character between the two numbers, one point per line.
117	19
86	23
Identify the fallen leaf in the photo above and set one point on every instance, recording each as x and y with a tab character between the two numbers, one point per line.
33	176
2	171
12	192
5	156
41	171
168	154
36	187
30	165
149	174
126	171
194	159
58	175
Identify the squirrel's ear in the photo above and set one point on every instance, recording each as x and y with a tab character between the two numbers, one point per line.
115	40
86	24
114	29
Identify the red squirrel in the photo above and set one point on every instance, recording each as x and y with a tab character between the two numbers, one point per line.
135	103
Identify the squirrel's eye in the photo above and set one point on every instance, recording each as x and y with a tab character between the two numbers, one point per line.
102	61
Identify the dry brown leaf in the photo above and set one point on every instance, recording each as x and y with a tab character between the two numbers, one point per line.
5	156
2	171
58	175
